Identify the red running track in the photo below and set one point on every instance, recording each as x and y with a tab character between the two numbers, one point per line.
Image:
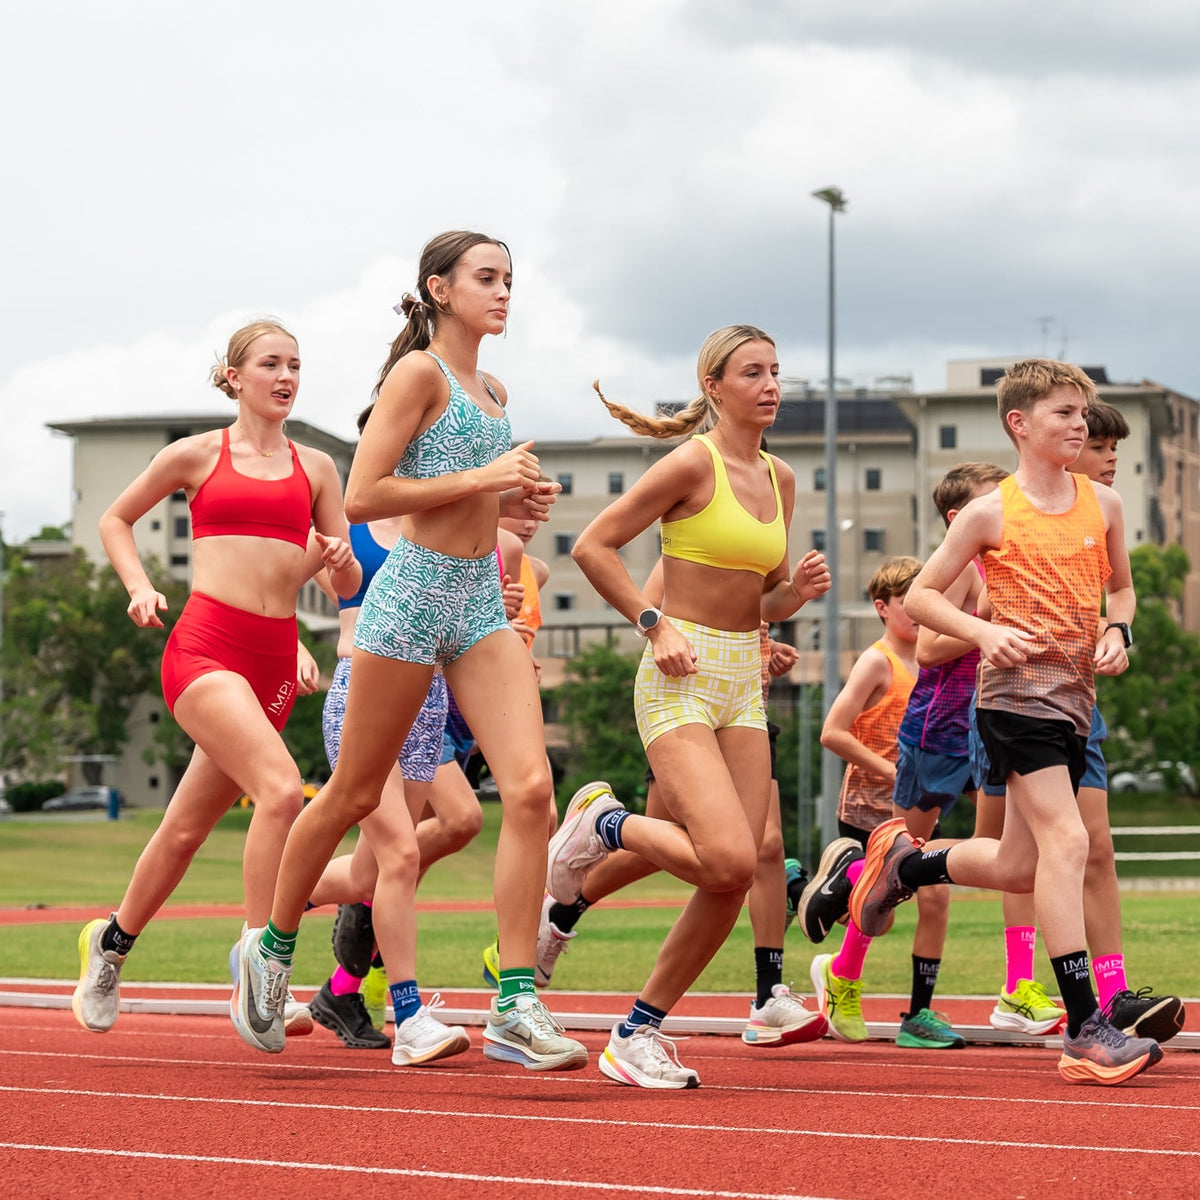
179	1106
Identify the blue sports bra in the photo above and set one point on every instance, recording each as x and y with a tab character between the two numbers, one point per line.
462	438
370	555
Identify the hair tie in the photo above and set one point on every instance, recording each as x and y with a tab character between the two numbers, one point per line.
398	309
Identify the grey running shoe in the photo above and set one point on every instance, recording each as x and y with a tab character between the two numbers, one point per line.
1141	1014
347	1016
354	939
528	1035
1101	1053
646	1058
550	944
879	889
576	846
422	1038
824	900
97	996
260	990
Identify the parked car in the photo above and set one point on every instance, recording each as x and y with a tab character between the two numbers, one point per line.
81	800
1161	777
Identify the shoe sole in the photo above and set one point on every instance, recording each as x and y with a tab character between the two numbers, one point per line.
299	1025
456	1043
825	868
913	1043
499	1050
350	1040
1162	1022
874	864
85	948
1010	1022
770	1037
350	963
1082	1070
610	1066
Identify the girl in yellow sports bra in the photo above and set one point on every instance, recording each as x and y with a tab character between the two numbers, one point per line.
724	505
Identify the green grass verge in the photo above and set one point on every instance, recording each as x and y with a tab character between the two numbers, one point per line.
84	861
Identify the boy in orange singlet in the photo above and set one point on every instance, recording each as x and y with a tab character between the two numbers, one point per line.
861	728
1050	541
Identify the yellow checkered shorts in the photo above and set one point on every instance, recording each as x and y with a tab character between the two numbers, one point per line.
725	691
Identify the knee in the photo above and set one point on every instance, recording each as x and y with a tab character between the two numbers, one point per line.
933	903
399	859
462	826
1101	860
771	850
732	870
526	796
279	798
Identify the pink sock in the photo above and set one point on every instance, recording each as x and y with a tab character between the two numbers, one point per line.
848	961
1019	944
1110	976
342	983
854	870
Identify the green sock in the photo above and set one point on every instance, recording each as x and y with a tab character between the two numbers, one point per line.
514	983
279	946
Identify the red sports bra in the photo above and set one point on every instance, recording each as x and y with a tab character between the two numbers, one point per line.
229	503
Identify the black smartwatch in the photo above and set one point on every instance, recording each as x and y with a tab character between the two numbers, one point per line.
1126	633
647	619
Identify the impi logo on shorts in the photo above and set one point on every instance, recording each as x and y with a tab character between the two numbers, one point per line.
282	696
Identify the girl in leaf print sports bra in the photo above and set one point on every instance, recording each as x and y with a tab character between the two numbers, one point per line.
229	665
698	694
436	452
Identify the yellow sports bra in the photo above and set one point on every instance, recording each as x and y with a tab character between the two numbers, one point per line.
723	533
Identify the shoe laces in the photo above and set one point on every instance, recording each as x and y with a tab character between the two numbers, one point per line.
848	995
1035	993
658	1046
423	1020
275	987
106	978
1100	1029
783	997
930	1021
540	1019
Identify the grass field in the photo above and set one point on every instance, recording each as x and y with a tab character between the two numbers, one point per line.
85	860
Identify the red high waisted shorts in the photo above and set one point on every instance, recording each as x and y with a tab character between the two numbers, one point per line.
212	636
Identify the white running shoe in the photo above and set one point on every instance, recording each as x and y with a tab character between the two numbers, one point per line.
97	996
783	1021
528	1035
297	1019
576	846
422	1038
646	1058
550	944
260	991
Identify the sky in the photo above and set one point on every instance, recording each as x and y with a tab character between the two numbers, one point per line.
1021	180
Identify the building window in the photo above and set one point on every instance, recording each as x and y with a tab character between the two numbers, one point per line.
179	560
819	479
181	527
616	482
155	525
948	437
563	543
818	539
874	479
873	541
564	601
566	482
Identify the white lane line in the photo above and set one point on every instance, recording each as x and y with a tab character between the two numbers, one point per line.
670	1126
641	1189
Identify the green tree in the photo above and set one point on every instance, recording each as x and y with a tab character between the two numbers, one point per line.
1153	709
596	704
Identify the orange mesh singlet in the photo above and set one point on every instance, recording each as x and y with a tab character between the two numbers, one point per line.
531	606
1047	579
866	799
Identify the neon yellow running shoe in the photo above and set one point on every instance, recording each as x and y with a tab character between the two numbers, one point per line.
374	990
491	964
840	1000
1027	1009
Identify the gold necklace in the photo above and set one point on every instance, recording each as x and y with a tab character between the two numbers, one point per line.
242	437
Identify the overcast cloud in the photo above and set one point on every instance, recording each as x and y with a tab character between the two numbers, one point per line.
168	175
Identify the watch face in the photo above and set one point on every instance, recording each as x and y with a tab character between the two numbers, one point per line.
647	619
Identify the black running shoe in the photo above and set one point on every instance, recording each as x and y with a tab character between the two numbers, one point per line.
1141	1014
353	939
347	1017
823	902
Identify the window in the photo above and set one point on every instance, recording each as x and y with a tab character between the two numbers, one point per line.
818	539
873	541
616	482
948	437
874	479
563	543
564	601
566	482
819	479
179	560
181	527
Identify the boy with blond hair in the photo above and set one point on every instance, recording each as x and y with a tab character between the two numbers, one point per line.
1050	542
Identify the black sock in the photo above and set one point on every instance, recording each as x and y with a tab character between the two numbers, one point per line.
920	870
377	959
924	980
1073	973
115	938
768	971
564	916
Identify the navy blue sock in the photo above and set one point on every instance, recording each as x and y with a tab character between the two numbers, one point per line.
608	828
406	999
641	1014
768	971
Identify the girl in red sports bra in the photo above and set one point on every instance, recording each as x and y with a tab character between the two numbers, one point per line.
266	515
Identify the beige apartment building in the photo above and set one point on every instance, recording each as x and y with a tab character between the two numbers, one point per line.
894	443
